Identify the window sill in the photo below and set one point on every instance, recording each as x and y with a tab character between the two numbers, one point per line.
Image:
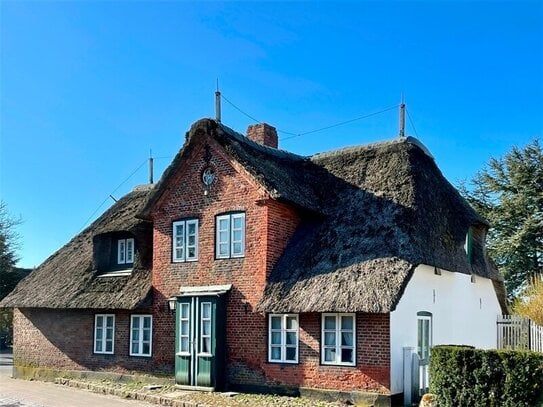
283	362
139	355
338	364
116	273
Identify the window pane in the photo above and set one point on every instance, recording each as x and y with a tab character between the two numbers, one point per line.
275	353
223	249
109	346
99	333
223	224
291	338
347	355
191	229
98	346
206	328
290	354
147	322
147	335
206	345
99	321
129	250
330	338
223	237
109	321
192	240
146	348
109	334
135	347
346	339
419	338
237	235
238	222
178	253
237	248
179	231
329	322
184	327
330	354
206	310
135	334
184	344
292	323
135	322
276	338
184	311
276	322
347	323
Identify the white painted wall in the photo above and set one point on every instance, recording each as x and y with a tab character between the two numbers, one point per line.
463	313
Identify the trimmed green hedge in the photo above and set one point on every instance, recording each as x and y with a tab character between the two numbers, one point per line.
464	376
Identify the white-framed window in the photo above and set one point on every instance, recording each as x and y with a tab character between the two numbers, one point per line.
230	239
141	334
125	251
104	333
205	326
185	240
338	339
184	329
283	338
424	335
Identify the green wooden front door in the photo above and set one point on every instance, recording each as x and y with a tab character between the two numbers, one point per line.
198	359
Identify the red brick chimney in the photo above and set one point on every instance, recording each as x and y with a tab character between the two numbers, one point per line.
263	133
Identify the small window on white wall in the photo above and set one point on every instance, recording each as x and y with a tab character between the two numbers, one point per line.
424	335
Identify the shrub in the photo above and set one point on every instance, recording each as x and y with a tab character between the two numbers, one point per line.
464	376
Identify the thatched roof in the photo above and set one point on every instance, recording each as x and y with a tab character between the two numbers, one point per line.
390	209
371	215
69	279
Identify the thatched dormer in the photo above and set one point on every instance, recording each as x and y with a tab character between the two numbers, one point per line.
78	275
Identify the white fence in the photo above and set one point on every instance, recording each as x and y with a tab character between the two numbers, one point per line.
516	332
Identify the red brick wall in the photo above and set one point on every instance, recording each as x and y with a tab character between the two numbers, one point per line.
371	373
63	339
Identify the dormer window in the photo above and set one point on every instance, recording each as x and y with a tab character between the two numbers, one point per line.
125	251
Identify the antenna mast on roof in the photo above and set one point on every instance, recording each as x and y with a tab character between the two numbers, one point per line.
402	119
151	181
218	103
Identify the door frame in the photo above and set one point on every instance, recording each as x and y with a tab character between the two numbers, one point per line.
195	297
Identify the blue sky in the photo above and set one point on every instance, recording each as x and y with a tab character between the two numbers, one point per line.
88	88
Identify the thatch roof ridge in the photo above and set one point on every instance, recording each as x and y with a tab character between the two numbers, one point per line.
67	278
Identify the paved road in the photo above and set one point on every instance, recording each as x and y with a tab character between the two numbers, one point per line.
24	393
